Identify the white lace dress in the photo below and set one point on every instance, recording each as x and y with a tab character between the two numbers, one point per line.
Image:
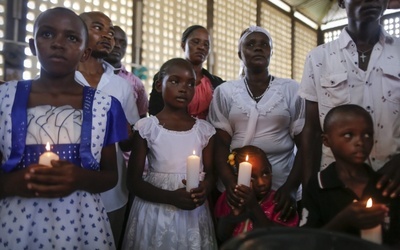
161	226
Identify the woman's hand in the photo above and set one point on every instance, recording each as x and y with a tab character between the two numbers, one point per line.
52	182
285	200
390	181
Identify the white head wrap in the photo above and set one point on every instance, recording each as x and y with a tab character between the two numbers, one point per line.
249	31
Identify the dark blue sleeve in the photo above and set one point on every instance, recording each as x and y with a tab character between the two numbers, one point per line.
117	125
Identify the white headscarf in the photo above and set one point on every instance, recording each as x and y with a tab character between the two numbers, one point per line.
249	31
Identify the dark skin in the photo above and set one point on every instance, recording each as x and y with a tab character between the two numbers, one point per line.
178	90
364	18
59	47
101	42
196	49
394	4
255	54
350	137
119	50
250	197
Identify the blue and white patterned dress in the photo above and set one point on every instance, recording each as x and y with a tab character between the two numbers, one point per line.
79	220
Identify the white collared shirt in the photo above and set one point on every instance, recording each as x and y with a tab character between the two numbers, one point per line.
332	77
117	87
121	89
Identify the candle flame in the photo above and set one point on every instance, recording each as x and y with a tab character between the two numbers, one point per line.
247	157
194	152
369	203
48	146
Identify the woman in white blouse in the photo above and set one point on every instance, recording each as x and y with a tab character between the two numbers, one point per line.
261	110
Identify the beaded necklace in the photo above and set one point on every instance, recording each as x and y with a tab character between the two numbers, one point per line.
257	98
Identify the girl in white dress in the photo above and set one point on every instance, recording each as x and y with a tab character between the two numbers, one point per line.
57	205
164	215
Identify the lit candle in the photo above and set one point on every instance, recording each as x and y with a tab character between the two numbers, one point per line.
372	234
245	172
46	157
192	171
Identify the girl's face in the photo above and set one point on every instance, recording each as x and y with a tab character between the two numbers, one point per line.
197	46
261	177
178	86
255	51
59	42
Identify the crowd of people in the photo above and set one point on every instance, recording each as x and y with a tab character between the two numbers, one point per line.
319	149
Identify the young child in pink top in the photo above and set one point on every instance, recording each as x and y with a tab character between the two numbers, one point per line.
257	207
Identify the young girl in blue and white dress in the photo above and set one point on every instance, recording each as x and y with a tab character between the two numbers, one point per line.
57	206
164	215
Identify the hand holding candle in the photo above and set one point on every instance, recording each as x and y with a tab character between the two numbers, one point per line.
46	157
372	234
244	176
192	171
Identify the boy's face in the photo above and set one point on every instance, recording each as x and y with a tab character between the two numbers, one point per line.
101	34
178	86
350	137
260	177
59	41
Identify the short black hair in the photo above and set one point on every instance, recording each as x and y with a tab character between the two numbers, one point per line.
352	109
86	32
189	31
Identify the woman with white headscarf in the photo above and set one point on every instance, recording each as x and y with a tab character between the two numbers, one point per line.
262	110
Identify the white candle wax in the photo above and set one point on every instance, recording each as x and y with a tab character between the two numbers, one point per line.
244	176
192	172
46	157
373	234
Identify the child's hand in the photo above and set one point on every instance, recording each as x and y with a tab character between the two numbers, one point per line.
231	196
15	184
52	182
247	197
235	210
199	194
358	216
183	200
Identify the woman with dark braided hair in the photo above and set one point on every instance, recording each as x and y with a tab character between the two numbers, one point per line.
196	45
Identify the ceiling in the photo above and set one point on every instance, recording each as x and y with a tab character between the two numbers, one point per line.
319	11
325	11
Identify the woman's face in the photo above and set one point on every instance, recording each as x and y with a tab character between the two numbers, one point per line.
255	51
197	46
